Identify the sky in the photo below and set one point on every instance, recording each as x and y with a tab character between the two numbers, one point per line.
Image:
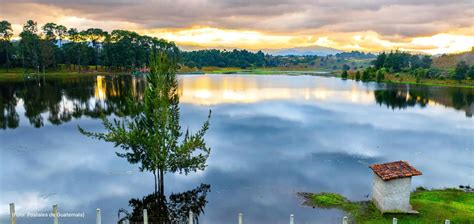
428	26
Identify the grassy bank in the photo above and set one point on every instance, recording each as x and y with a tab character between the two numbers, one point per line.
411	79
254	71
434	206
18	74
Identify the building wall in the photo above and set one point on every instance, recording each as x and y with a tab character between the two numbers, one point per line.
392	194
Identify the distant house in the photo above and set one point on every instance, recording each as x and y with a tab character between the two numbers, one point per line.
392	186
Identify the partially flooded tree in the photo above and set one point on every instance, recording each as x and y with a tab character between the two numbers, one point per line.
152	136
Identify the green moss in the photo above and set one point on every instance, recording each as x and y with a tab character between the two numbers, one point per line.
434	206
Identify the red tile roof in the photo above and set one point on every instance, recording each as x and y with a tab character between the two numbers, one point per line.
394	170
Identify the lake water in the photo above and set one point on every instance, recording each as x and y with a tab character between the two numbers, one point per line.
271	137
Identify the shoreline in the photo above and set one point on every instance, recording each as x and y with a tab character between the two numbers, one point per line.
14	76
434	206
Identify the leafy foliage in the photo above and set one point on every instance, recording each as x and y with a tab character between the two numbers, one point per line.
119	50
396	61
151	137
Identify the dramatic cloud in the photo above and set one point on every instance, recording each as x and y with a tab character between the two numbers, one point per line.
269	23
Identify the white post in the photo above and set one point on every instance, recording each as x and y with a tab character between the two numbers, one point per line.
12	213
292	219
98	217
55	214
344	220
241	218
447	221
145	216
191	217
394	221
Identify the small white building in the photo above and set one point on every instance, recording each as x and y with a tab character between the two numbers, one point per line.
392	186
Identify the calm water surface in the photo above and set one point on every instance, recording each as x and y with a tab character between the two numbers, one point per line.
271	136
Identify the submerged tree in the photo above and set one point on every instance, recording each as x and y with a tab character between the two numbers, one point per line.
152	136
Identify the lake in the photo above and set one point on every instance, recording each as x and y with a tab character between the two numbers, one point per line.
271	136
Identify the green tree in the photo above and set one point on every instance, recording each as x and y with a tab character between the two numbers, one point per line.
461	70
365	75
380	61
6	33
61	32
151	136
49	30
344	74
470	72
380	75
29	44
95	36
47	50
357	76
346	67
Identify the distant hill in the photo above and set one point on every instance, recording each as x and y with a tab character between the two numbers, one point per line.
301	51
450	60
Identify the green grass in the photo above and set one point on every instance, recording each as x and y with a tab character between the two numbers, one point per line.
253	71
410	79
18	74
434	206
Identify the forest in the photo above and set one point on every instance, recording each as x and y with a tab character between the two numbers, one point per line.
52	45
56	47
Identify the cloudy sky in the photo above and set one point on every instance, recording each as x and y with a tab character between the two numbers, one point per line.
431	26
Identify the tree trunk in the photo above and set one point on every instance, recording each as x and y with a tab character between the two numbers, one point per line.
156	186
6	54
162	180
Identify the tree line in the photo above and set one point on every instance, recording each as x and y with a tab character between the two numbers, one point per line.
224	58
247	59
52	44
404	63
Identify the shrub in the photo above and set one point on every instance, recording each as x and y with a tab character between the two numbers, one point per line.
344	74
380	76
357	75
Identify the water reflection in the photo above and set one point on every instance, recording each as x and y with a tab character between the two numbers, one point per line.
404	96
161	210
60	101
294	134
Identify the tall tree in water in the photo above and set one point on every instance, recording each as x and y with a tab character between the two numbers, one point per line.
6	33
152	136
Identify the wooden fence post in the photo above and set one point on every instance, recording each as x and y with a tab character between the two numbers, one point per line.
394	221
145	216
241	218
191	217
55	214
12	213
98	218
344	220
292	219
